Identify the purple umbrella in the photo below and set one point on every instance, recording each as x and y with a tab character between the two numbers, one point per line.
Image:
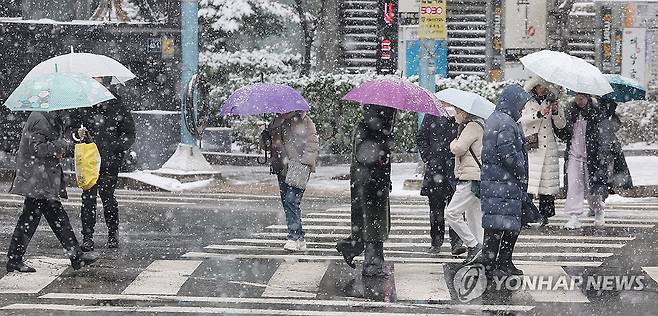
397	94
260	98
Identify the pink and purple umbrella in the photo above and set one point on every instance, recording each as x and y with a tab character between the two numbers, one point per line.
261	98
397	94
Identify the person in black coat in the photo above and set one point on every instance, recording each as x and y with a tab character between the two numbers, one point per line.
110	125
370	177
587	134
433	141
40	179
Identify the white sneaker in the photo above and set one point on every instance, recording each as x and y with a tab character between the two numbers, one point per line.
573	223
301	245
291	245
599	219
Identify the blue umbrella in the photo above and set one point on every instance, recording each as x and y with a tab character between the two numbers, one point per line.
57	91
625	89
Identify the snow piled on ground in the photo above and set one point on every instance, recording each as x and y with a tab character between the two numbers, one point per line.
167	184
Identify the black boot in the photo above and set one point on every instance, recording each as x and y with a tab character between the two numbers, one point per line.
435	245
507	243
373	263
87	244
83	259
19	266
113	240
349	248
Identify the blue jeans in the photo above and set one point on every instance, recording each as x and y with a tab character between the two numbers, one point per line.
291	197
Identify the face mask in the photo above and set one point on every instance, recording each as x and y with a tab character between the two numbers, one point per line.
451	111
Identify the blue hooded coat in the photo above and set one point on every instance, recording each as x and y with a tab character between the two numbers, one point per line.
504	178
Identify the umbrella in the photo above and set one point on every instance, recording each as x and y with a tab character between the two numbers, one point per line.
568	71
397	94
261	98
626	89
468	101
91	65
57	91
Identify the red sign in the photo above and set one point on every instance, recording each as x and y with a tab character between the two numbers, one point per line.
431	10
531	31
389	13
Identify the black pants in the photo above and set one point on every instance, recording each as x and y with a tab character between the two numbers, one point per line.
438	203
546	205
107	183
498	248
29	221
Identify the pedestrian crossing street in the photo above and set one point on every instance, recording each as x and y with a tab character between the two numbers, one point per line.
267	280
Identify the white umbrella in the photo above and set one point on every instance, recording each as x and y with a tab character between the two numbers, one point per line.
568	71
89	64
468	101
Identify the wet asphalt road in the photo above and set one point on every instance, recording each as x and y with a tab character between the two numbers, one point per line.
231	246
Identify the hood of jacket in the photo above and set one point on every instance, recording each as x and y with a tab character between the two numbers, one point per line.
512	100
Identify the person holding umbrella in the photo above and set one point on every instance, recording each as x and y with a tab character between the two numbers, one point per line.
433	141
39	175
291	138
467	148
540	115
586	159
504	181
370	171
295	150
110	125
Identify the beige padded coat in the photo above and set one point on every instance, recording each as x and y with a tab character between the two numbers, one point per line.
466	169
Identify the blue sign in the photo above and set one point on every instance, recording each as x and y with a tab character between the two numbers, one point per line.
413	58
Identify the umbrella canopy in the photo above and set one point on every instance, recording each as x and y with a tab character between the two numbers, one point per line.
91	65
626	89
468	101
397	94
571	72
263	98
58	91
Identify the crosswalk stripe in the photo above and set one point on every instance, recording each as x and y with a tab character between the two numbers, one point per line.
303	257
424	219
420	282
554	295
296	279
276	301
426	228
652	272
405	245
196	310
162	277
48	270
389	252
335	236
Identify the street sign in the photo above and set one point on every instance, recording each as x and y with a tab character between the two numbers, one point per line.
387	31
634	50
525	27
154	45
433	20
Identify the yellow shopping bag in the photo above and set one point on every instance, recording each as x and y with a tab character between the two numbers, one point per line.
87	165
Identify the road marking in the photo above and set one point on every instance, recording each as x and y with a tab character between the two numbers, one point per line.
347	228
73	202
423	219
553	295
296	279
420	282
162	277
302	257
48	270
332	250
652	272
427	244
274	301
426	236
193	310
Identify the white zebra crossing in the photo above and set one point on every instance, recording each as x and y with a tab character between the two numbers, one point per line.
164	277
420	282
296	279
48	270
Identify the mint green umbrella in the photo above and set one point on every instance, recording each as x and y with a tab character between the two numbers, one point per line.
57	91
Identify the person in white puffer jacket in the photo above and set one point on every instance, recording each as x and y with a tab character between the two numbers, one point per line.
540	116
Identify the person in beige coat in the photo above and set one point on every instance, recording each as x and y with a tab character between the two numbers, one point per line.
539	118
295	149
467	148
